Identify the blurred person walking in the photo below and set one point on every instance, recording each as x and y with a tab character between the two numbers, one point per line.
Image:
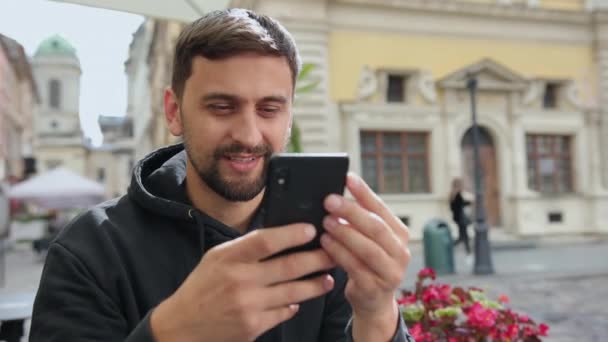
457	206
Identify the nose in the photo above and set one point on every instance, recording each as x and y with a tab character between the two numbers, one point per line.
246	129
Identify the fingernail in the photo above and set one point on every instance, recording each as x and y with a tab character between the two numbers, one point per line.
294	307
310	231
353	180
333	202
330	223
328	282
326	239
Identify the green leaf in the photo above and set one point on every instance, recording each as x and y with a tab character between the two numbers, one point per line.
491	304
308	87
478	296
294	145
450	311
306	69
413	313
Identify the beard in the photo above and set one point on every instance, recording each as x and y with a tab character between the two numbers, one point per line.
237	190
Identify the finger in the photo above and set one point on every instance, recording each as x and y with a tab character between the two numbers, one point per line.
296	291
355	268
263	243
296	265
369	200
270	318
362	248
368	223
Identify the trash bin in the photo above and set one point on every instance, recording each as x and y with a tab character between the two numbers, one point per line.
438	247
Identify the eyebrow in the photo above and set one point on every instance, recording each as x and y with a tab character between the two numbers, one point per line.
233	98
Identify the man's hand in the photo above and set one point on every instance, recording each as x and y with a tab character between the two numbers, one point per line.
371	245
236	293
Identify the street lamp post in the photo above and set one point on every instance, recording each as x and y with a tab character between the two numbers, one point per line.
483	257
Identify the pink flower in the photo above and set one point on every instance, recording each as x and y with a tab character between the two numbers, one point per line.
513	331
430	294
411	299
481	317
427	273
416	331
504	299
529	331
524	318
445	292
543	329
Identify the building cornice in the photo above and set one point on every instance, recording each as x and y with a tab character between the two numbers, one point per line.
480	9
448	18
388	109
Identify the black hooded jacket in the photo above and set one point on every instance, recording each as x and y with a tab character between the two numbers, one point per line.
112	265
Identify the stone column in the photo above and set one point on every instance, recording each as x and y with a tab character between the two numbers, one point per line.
317	119
600	29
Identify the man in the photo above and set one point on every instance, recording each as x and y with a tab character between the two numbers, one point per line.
180	257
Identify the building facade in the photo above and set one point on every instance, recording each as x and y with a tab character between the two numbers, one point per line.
111	163
394	81
18	103
59	140
393	94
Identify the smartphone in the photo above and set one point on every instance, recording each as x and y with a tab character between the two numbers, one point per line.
296	186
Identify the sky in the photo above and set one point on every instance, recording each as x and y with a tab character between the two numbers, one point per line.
101	39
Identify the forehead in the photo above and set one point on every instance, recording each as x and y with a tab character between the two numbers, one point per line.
248	75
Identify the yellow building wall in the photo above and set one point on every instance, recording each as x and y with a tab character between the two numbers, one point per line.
567	5
350	50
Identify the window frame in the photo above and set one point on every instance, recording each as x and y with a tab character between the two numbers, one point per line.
405	156
55	93
535	156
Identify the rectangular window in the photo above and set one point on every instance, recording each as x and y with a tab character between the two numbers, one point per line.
551	95
395	90
395	162
55	94
549	163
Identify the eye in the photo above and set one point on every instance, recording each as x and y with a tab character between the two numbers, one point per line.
269	111
221	108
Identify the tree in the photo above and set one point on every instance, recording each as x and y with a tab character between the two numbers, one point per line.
304	84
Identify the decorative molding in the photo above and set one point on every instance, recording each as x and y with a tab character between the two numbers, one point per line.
436	18
573	94
389	109
368	83
502	78
493	10
533	92
426	86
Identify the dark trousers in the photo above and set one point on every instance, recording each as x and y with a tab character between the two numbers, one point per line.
463	236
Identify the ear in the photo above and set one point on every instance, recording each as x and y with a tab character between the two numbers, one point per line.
173	113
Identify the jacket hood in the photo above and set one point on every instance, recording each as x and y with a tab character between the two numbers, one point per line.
158	183
159	186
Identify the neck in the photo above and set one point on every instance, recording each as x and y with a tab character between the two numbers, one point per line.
237	215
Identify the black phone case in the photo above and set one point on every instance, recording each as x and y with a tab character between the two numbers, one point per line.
306	180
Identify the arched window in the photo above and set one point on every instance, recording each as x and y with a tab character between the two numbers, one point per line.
55	94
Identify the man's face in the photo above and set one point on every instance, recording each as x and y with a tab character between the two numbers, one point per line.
234	114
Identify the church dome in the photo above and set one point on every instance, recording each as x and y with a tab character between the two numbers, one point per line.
56	46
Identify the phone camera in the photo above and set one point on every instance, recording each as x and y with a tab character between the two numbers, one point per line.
282	175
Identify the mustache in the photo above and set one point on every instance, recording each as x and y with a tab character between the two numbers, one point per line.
259	150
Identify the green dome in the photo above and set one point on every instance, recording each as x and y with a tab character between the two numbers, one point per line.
55	45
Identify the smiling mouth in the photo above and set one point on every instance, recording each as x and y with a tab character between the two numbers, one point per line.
242	159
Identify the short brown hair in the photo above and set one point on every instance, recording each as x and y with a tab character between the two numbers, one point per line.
226	33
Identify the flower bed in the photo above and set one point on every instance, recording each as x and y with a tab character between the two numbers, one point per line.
440	312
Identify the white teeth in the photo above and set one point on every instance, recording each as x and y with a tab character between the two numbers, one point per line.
242	160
